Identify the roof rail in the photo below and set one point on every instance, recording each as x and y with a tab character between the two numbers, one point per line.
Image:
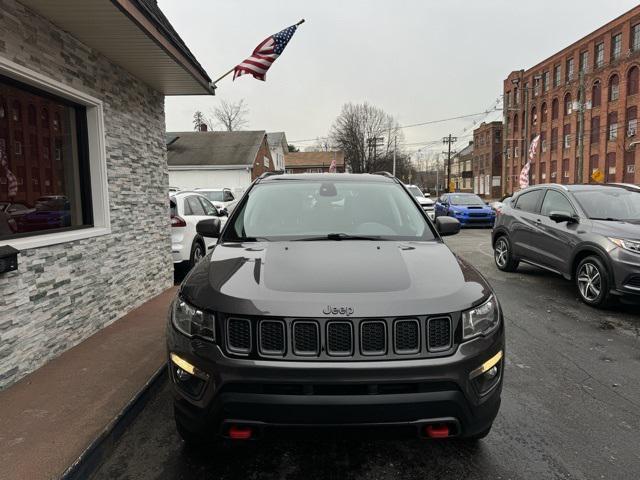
270	174
383	173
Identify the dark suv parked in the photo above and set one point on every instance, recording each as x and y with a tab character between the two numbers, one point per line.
331	300
588	233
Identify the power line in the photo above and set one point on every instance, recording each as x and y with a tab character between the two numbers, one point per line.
429	122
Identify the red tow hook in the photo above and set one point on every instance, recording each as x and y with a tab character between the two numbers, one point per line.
437	431
240	433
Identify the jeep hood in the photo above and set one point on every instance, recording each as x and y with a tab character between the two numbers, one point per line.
302	278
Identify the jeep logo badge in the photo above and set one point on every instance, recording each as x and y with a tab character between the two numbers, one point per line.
331	310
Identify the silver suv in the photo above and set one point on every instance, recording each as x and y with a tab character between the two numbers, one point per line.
587	233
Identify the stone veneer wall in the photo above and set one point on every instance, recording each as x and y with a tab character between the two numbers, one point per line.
62	294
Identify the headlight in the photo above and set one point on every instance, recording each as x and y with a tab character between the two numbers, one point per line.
480	320
193	322
631	245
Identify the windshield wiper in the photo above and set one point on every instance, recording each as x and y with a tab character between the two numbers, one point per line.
607	219
338	236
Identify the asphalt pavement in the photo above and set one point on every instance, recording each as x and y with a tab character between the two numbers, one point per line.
570	406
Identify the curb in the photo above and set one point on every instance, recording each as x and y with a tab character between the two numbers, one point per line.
91	458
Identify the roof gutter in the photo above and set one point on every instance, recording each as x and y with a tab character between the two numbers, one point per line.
129	8
178	168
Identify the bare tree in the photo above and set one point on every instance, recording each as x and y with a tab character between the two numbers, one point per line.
322	144
368	136
231	116
199	119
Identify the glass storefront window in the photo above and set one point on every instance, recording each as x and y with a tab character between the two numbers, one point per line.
44	172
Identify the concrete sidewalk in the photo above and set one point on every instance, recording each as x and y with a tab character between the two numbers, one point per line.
51	416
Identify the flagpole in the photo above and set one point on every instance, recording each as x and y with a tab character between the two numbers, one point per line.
213	84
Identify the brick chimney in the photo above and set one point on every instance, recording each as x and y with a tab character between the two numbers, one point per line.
203	127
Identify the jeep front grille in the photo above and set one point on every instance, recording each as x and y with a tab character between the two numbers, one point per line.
339	338
373	337
407	336
272	337
328	339
439	334
306	338
239	335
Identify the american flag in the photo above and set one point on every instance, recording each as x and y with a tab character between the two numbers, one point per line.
524	174
265	54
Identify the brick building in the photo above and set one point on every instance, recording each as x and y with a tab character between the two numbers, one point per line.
314	162
487	160
593	82
461	169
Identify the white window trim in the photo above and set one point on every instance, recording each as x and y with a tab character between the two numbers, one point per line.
97	158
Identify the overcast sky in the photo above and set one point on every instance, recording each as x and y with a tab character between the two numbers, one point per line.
419	60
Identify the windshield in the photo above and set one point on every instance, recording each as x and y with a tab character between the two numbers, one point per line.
610	203
415	191
213	195
466	200
313	210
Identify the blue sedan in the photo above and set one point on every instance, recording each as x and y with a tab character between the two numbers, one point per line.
468	208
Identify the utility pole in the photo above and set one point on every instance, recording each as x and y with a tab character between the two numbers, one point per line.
395	145
581	108
449	140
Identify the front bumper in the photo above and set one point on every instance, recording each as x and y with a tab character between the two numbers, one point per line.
388	393
625	266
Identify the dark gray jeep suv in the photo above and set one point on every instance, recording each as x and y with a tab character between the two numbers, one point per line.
330	300
588	233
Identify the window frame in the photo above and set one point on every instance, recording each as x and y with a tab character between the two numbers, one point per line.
544	197
536	209
98	202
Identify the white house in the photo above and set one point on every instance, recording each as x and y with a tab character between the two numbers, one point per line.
279	148
217	159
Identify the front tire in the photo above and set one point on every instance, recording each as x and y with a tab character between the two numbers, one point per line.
503	256
194	438
197	253
592	280
478	436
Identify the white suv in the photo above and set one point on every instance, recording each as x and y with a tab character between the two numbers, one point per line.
426	203
187	209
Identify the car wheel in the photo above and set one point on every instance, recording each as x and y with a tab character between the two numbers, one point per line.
197	254
502	255
592	281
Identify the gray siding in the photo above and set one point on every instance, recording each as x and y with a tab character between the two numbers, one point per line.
63	293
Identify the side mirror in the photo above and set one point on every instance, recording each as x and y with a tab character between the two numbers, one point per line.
559	217
447	226
209	227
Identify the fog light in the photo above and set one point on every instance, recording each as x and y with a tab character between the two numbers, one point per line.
182	375
491	373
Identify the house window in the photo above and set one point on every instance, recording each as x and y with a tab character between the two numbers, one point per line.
543	112
557	73
554	109
543	171
593	163
632	121
534	116
632	81
616	46
566	137
568	105
610	171
595	130
584	61
554	169
554	139
629	166
516	125
635	37
596	94
599	55
57	197
565	170
545	81
543	141
614	88
613	126
536	87
569	69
